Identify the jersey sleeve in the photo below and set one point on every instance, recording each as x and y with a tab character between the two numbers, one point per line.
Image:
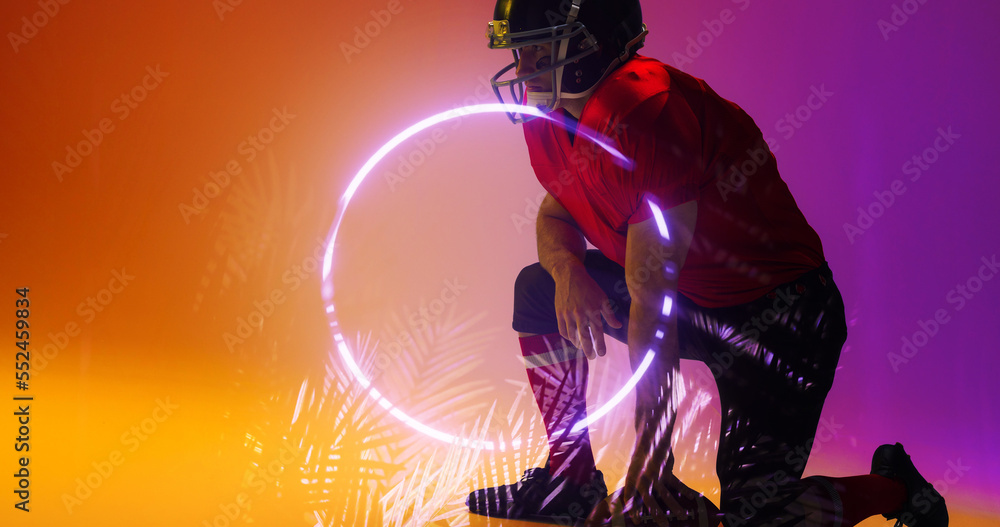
664	140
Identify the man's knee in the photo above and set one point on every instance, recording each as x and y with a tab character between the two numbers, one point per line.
530	279
534	296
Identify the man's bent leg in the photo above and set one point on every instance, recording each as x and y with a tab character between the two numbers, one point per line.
570	485
774	360
556	369
773	376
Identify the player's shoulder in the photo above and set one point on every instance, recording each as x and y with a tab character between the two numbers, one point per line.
635	93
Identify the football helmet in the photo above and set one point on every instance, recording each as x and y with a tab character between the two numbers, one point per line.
589	39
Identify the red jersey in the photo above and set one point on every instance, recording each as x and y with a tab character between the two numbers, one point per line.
685	143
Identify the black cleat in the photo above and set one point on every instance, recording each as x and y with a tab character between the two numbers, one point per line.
540	496
924	506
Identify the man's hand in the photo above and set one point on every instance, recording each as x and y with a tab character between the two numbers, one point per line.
580	306
580	302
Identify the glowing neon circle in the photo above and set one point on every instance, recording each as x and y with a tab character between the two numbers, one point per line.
327	288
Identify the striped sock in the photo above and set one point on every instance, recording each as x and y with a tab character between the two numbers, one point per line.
557	372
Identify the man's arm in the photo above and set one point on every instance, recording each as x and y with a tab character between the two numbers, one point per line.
654	255
561	245
580	302
655	252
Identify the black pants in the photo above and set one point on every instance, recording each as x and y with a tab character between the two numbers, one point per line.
773	360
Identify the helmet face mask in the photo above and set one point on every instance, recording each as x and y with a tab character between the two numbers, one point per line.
562	39
584	48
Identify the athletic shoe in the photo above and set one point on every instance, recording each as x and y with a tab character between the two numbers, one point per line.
540	496
924	506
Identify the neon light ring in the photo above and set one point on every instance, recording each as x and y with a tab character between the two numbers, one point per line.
328	289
